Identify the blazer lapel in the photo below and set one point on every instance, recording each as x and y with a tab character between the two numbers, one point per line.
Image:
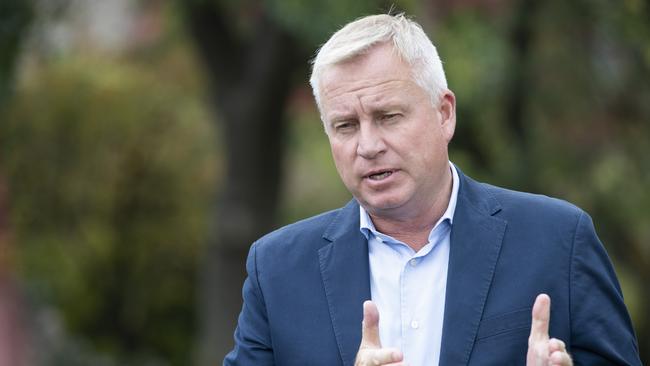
346	279
476	238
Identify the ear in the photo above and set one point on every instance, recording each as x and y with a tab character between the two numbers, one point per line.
447	110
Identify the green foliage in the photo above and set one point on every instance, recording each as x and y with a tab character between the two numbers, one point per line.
312	184
315	21
111	173
312	22
475	57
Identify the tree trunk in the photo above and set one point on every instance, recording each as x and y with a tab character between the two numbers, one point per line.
251	82
15	19
518	90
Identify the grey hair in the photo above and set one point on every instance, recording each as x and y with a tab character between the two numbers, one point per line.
408	38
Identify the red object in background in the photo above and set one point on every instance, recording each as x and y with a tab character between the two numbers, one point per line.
12	344
12	332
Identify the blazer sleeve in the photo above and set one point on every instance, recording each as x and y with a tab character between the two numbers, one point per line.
601	328
252	336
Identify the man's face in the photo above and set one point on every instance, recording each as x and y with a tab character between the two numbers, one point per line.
388	140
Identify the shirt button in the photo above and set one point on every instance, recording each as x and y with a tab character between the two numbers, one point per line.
415	324
413	262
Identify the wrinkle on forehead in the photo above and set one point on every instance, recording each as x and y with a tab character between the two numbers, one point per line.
344	99
370	84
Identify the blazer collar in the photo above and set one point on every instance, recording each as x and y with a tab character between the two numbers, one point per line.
346	278
476	237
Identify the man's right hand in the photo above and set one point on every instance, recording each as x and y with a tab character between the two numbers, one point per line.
370	350
542	350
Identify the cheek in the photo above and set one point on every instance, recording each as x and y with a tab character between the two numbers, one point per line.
341	158
426	149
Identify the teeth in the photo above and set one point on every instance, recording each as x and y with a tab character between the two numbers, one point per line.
380	176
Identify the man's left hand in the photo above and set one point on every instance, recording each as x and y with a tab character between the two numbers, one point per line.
543	351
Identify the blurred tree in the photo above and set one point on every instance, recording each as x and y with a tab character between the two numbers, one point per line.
251	80
109	192
15	17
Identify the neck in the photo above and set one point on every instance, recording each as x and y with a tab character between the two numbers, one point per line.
413	226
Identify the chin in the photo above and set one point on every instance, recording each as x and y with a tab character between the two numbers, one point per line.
382	204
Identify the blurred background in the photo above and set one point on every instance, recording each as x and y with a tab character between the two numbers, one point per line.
145	144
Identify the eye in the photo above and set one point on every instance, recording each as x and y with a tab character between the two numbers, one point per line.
388	117
344	126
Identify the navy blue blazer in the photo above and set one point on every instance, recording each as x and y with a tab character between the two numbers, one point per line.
307	282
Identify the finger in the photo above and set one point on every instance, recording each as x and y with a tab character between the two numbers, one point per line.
541	317
559	358
556	345
370	326
381	356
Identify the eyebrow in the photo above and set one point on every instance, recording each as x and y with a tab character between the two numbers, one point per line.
388	108
341	117
377	109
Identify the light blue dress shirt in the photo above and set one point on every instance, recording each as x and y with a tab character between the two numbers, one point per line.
409	288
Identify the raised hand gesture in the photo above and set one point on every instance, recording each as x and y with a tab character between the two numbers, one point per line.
370	350
543	351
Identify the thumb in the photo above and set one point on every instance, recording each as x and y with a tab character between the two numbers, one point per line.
541	318
370	326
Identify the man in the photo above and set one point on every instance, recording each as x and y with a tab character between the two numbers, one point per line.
453	267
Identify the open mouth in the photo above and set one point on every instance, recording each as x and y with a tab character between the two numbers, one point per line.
380	175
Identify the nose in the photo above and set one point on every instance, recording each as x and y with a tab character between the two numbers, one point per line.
371	142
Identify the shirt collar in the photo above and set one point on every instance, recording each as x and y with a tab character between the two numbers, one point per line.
366	226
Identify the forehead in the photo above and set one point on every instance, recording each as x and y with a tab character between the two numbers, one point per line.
378	76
